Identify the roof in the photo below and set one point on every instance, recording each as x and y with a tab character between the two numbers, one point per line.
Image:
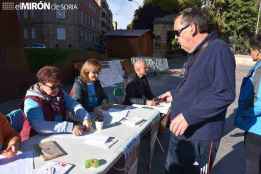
126	33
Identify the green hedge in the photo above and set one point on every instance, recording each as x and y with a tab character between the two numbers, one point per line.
38	57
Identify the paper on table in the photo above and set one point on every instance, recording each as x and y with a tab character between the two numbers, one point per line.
101	141
21	163
133	121
54	167
116	114
163	107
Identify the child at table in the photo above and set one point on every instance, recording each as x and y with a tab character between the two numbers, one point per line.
87	89
9	138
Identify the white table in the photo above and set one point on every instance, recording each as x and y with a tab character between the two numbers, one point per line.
78	151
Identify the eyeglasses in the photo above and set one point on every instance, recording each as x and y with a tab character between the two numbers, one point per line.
178	32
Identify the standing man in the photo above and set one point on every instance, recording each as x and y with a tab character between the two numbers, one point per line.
201	99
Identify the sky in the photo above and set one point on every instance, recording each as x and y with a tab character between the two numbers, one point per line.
123	11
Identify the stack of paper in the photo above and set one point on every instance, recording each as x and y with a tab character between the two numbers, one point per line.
54	167
101	141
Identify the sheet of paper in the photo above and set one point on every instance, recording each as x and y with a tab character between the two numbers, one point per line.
116	115
54	167
112	74
21	163
101	141
163	107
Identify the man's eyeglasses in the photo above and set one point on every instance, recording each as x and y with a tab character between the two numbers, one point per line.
178	32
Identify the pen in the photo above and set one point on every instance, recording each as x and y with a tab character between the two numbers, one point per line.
52	170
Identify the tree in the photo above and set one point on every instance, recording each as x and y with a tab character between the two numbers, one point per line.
145	16
236	20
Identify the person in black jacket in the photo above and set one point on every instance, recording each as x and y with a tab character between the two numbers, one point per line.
87	89
200	101
138	90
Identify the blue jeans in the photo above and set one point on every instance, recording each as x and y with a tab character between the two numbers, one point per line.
190	157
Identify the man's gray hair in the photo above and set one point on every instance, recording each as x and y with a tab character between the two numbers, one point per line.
196	16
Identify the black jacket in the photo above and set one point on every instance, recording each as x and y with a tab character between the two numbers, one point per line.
138	91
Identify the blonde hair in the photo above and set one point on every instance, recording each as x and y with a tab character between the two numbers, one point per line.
88	66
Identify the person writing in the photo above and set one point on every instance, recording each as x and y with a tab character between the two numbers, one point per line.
9	138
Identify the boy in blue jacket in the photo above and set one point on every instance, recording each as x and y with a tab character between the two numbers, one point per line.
248	115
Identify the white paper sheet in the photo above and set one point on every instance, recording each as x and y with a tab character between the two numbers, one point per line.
116	114
163	107
111	75
101	141
54	167
21	163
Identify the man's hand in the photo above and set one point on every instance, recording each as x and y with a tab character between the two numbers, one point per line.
166	96
87	124
178	125
77	130
151	103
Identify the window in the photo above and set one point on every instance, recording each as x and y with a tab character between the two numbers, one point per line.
60	14
81	17
81	35
25	33
25	14
60	33
33	33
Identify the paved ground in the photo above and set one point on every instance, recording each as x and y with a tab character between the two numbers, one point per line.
230	157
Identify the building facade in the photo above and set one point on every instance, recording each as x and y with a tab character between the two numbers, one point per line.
105	17
80	28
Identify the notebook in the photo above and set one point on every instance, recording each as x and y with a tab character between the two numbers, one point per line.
50	150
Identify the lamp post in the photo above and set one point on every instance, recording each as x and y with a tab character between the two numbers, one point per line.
258	17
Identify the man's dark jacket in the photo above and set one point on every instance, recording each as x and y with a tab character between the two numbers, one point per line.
207	89
138	91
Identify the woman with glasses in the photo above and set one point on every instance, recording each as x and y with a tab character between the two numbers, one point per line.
87	88
46	103
249	110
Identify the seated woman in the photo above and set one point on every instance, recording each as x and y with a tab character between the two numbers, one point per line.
46	104
87	89
9	138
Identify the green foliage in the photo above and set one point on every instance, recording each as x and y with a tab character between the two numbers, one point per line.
236	20
47	56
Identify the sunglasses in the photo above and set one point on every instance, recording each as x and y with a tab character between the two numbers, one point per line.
178	32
